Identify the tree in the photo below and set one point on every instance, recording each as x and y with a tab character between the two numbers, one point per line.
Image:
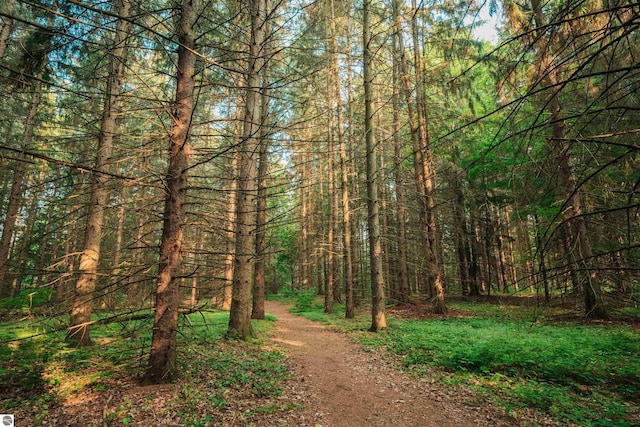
257	311
162	358
78	333
594	306
378	316
240	315
31	66
425	175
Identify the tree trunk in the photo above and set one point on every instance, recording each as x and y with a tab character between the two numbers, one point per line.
510	258
334	132
401	214
111	289
523	246
49	251
463	250
577	225
136	277
425	161
79	334
378	317
193	300
501	267
540	251
231	233
478	278
162	359
257	311
303	259
21	251
15	194
240	315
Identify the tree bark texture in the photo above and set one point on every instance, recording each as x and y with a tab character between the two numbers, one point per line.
401	215
162	367
257	311
79	332
424	159
240	315
231	234
378	316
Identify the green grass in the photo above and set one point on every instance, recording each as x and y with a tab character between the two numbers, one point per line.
587	375
39	371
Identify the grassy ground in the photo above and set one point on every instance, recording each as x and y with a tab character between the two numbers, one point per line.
516	357
44	381
578	374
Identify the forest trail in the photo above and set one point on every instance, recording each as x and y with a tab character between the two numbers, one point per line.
344	386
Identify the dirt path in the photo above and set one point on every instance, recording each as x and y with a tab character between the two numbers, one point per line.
343	386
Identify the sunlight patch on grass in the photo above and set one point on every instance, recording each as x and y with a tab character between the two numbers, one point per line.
41	373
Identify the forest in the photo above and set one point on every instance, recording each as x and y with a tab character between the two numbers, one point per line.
170	167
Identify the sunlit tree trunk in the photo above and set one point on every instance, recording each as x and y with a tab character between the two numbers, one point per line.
162	359
331	219
425	160
78	333
401	214
257	311
344	194
199	241
240	314
303	258
334	133
230	234
378	317
346	234
351	184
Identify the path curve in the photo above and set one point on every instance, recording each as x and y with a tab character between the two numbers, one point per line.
345	386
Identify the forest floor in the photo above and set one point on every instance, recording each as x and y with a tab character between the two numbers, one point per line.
299	373
345	386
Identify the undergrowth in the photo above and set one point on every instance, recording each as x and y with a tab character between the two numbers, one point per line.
39	372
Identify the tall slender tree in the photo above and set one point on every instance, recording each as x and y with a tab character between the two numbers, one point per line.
401	215
426	176
79	332
240	315
32	63
257	311
378	316
578	232
162	358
